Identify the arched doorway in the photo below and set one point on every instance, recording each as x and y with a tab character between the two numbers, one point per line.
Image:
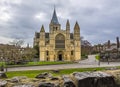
60	56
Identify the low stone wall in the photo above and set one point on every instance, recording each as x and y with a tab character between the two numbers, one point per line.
76	79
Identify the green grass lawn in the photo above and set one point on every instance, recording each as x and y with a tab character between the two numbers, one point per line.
33	73
2	63
48	63
40	63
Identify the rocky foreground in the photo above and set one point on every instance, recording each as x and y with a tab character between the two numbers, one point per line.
76	79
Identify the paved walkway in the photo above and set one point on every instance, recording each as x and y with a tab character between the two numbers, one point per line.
90	62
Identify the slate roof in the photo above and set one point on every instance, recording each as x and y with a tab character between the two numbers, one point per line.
54	18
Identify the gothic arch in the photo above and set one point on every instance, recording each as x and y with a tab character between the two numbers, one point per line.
60	41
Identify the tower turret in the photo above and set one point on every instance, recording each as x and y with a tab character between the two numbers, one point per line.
68	31
77	44
76	31
42	35
42	29
54	24
54	19
42	44
68	26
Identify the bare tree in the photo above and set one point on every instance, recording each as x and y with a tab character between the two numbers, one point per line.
17	42
86	46
29	54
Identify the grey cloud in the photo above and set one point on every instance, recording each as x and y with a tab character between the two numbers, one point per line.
96	18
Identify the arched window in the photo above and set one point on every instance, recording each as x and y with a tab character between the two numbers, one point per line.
72	52
60	41
47	53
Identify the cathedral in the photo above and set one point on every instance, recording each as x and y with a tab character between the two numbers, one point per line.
58	44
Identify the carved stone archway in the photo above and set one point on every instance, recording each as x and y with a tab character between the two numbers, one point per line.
60	56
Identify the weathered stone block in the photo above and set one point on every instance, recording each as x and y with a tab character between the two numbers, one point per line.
67	81
46	85
3	83
43	75
56	71
24	86
93	79
3	75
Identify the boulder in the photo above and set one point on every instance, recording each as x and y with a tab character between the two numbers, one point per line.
111	68
3	75
43	75
116	74
54	78
2	68
93	79
46	85
3	83
17	79
56	71
77	79
24	86
67	81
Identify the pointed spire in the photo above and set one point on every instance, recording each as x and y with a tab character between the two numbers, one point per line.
76	25
42	29
54	17
67	24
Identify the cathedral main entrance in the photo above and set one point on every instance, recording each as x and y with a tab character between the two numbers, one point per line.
60	56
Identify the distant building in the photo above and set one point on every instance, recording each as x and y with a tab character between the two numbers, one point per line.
58	44
14	54
5	50
108	46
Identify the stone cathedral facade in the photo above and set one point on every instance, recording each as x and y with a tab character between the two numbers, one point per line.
58	44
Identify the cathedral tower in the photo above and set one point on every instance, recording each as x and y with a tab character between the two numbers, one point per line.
77	43
54	24
42	44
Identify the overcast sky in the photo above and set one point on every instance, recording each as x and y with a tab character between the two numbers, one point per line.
99	20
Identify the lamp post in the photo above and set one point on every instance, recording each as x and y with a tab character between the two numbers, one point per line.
108	57
6	64
97	57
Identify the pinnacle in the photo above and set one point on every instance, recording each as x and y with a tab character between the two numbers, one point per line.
76	25
68	24
42	29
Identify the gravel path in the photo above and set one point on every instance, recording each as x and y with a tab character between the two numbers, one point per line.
90	62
